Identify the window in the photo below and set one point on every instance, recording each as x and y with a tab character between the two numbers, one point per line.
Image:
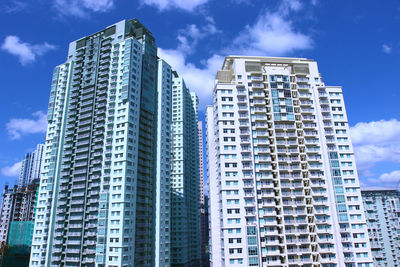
252	240
253	251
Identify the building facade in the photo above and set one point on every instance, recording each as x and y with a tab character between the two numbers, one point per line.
201	171
382	211
206	255
30	166
98	180
162	192
17	214
203	216
283	185
7	208
185	237
18	208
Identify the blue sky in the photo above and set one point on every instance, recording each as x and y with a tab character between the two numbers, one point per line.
356	44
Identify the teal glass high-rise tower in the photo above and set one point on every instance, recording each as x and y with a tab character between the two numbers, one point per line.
97	196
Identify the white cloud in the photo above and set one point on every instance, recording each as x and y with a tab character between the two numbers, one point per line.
376	132
14	6
290	5
189	37
386	49
81	8
375	141
272	34
11	171
389	180
211	27
18	127
392	177
368	155
187	5
26	52
198	79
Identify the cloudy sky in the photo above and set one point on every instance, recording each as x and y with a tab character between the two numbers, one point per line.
356	45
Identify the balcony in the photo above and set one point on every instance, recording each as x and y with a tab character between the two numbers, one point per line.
303	86
306	103
349	259
307	110
263	158
260	110
244	132
312	149
242	99
317	183
258	94
74	234
249	204
78	194
328	260
269	242
241	92
323	221
267	194
273	262
248	185
72	259
256	78
77	210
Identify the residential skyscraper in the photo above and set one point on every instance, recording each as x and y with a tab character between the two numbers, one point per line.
206	256
203	217
162	198
98	181
201	171
283	184
185	236
30	167
382	210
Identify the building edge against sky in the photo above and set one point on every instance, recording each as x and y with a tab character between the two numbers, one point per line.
81	83
283	185
162	198
185	211
30	166
98	203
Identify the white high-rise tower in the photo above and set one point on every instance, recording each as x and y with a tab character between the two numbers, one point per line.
104	196
283	184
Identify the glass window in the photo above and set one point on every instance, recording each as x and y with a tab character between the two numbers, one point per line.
253	251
